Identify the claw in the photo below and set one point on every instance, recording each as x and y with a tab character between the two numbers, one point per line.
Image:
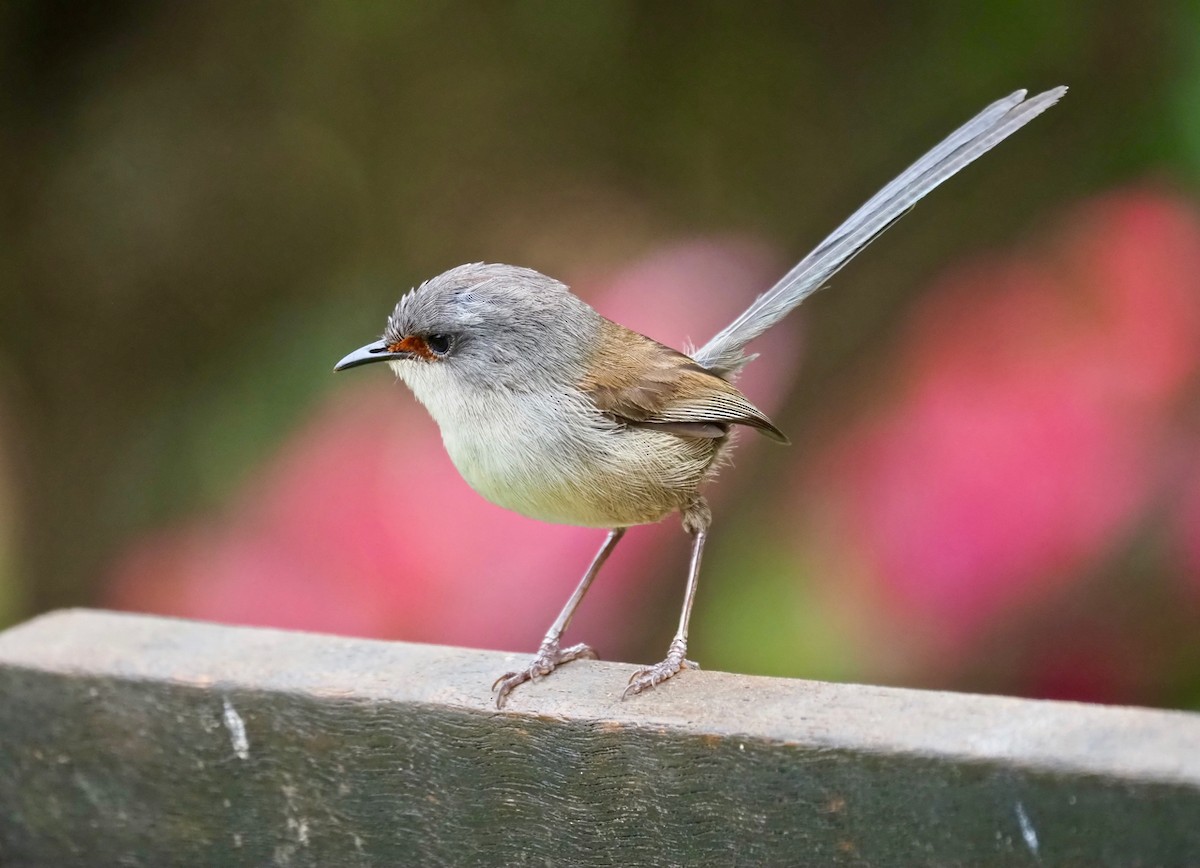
549	657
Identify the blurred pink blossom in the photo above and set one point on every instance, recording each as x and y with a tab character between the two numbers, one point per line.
361	525
1031	423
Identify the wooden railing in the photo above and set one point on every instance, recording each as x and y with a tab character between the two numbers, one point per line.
136	741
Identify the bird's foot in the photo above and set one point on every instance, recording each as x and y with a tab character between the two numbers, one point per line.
652	676
549	656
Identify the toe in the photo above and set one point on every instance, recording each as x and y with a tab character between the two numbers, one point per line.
577	652
505	677
505	687
644	682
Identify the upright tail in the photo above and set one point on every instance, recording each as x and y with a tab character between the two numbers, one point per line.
723	354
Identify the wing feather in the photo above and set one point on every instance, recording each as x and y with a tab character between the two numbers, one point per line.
646	384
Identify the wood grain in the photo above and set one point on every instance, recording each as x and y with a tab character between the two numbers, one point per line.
141	741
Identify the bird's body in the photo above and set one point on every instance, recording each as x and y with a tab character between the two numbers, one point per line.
506	463
501	451
550	443
551	410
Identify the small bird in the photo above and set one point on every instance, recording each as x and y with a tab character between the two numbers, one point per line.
549	409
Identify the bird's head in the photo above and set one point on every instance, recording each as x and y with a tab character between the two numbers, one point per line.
488	324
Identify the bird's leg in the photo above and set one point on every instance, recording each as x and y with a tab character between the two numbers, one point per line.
550	654
696	522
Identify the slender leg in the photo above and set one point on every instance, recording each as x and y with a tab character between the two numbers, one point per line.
550	655
676	659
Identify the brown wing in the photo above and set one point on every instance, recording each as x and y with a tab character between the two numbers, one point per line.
644	383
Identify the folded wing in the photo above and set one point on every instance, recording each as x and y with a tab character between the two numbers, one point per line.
646	384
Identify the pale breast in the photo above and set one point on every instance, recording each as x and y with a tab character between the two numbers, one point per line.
554	458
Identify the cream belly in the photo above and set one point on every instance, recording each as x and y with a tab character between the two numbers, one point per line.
554	458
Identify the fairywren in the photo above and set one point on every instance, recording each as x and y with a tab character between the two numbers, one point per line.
551	410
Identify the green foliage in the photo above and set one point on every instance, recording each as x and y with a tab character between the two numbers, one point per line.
759	613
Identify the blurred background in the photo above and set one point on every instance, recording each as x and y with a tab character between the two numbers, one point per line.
994	482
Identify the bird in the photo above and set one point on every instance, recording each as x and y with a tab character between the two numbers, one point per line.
553	411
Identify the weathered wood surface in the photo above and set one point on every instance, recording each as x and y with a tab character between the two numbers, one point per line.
138	741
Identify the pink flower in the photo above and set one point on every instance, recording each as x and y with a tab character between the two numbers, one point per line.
1029	424
361	525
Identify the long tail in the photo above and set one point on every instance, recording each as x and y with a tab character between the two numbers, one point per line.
723	354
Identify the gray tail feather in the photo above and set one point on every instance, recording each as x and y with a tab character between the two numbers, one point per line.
723	354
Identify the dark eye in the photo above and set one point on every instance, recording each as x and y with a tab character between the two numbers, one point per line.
439	344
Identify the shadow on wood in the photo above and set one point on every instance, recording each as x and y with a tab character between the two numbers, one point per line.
130	740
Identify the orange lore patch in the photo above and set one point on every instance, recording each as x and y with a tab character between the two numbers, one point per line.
415	345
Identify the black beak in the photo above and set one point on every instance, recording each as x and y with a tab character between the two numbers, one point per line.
376	352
